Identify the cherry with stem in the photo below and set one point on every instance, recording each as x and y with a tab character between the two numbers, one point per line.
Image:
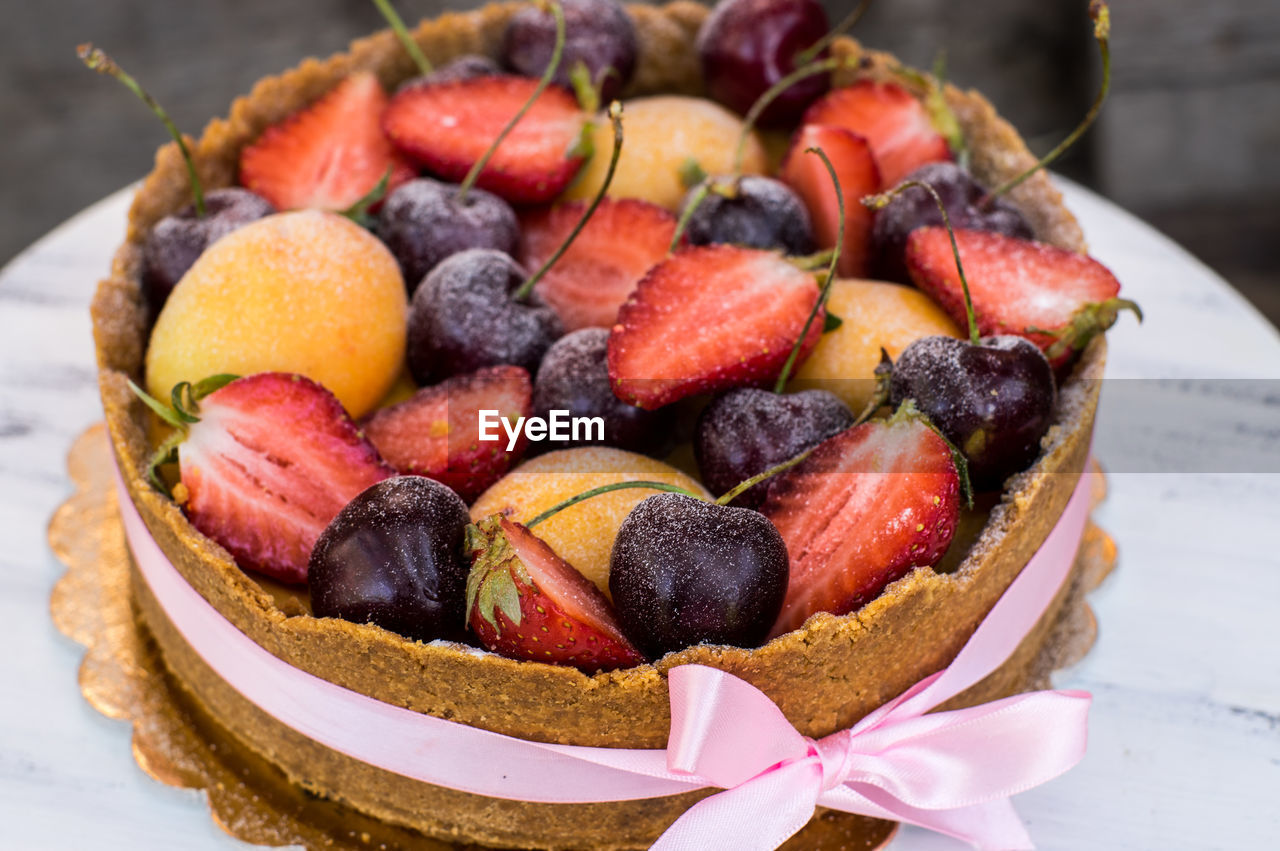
778	203
990	398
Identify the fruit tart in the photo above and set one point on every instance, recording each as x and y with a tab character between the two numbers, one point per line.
451	381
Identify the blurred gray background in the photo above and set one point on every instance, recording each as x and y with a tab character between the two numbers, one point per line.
1190	140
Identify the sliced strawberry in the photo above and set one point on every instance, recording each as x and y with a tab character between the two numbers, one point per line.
448	126
710	318
526	602
1057	299
272	459
621	241
859	176
436	432
328	155
865	508
892	120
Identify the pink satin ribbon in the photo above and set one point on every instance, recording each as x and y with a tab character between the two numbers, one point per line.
952	772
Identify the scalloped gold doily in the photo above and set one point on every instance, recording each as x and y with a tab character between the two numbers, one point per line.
176	742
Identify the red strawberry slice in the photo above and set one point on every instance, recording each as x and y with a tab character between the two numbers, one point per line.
1056	298
436	432
272	460
859	176
710	318
865	508
892	120
329	155
448	126
621	241
525	602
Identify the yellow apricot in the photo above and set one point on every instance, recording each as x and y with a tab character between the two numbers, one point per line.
661	134
306	292
875	314
581	534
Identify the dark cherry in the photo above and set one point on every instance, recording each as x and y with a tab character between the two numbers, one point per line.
463	318
746	431
759	212
393	557
687	572
915	208
993	400
177	241
597	33
574	377
466	67
422	223
746	46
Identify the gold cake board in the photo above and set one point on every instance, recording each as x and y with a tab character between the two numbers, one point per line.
175	741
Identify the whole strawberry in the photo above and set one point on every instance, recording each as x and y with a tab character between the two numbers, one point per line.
525	602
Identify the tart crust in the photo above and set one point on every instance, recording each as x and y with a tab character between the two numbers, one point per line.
824	676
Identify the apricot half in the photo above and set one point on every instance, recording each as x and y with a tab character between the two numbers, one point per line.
306	292
662	133
874	314
581	534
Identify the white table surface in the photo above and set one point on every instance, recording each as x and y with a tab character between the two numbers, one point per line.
1185	728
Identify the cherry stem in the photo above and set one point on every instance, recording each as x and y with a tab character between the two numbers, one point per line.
770	95
547	75
668	488
733	493
96	60
840	29
402	33
1101	16
615	116
826	285
876	202
603	489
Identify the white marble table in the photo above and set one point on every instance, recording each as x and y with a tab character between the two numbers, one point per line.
1185	730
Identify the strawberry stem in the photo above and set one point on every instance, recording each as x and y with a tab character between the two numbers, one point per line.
1101	16
160	409
185	397
552	66
769	96
877	202
812	51
941	115
96	60
359	211
615	116
1087	323
402	33
831	274
732	494
908	411
166	453
614	486
696	198
879	396
585	89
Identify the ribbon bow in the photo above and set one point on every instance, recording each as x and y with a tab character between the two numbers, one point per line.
952	772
